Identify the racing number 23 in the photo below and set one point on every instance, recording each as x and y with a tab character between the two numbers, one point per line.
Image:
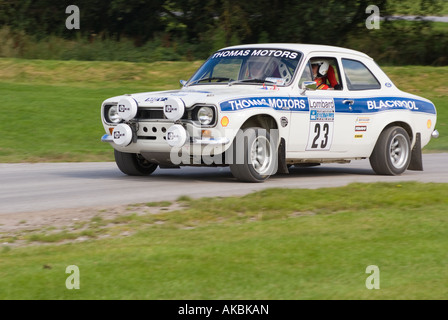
317	131
320	136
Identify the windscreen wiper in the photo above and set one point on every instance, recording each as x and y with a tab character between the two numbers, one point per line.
218	79
254	80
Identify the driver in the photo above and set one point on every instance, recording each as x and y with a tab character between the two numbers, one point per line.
322	72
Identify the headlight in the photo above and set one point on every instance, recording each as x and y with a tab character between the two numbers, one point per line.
205	115
112	115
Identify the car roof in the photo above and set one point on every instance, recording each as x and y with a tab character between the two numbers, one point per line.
304	48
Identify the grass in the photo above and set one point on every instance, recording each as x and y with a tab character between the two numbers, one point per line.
52	107
427	82
273	244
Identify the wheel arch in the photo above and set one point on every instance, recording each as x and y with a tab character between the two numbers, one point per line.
404	125
264	120
268	122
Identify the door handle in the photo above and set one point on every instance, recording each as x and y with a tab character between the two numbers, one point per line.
349	102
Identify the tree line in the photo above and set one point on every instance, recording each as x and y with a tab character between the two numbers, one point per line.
208	25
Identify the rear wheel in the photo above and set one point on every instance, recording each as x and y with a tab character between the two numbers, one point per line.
392	152
255	155
134	164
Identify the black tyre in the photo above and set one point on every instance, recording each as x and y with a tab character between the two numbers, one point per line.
392	152
134	164
255	155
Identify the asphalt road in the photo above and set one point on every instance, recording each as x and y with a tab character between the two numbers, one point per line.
45	186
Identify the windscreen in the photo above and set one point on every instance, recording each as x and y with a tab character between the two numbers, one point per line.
248	66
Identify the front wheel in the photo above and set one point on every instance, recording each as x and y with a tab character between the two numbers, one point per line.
392	152
134	164
255	155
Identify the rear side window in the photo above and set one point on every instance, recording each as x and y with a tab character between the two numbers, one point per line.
358	76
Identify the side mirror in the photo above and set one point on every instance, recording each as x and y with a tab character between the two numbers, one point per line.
183	82
308	85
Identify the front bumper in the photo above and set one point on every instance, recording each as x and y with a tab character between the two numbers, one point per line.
435	134
107	138
195	141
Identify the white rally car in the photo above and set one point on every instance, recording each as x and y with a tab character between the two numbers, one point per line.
261	108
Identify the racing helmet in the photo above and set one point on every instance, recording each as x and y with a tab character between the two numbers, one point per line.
323	67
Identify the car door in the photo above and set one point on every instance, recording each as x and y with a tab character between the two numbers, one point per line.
361	86
315	133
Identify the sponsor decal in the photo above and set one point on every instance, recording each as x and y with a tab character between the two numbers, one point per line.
320	134
225	121
118	134
388	84
322	110
156	99
265	87
372	104
358	136
363	120
170	108
361	128
277	81
385	104
123	108
257	53
280	103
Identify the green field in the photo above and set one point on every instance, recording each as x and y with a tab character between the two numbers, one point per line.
273	244
51	108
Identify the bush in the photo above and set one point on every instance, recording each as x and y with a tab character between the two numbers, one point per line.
403	43
395	43
17	44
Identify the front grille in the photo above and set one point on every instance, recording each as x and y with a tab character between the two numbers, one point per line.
150	114
157	114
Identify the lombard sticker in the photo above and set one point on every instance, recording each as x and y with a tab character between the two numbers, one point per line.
320	134
321	109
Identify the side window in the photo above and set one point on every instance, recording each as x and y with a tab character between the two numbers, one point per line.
358	76
324	71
